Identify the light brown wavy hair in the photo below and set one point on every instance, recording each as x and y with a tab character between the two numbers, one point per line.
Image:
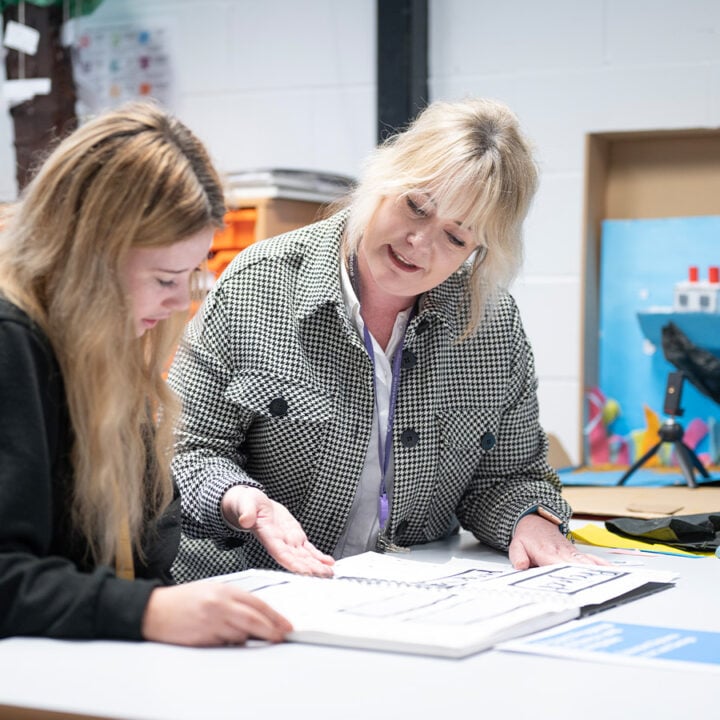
134	177
472	159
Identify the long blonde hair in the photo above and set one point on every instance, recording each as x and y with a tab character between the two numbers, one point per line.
135	177
472	159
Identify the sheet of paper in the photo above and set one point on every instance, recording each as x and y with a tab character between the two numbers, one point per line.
625	644
394	568
577	585
560	584
18	91
21	38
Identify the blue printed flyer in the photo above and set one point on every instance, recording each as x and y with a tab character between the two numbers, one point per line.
626	644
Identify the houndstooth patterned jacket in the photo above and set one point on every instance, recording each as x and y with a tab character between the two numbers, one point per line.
277	392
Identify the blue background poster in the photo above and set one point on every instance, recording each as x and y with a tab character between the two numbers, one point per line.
641	261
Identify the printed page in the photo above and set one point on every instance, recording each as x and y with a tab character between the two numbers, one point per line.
626	644
576	585
580	585
385	566
353	597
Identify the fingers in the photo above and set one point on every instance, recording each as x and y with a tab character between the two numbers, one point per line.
299	559
250	616
278	530
245	598
283	537
563	552
538	542
587	559
208	613
518	557
318	554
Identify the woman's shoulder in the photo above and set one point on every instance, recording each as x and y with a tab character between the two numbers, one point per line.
502	321
17	326
275	269
9	312
301	243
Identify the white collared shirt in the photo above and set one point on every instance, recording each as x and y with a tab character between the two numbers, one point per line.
360	532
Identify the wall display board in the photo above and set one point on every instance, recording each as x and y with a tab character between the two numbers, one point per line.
115	64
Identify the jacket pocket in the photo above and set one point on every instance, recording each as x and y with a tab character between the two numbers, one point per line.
467	438
285	425
278	398
468	430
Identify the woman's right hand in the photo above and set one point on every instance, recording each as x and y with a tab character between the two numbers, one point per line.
248	508
207	613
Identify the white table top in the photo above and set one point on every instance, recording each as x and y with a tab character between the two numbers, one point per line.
149	681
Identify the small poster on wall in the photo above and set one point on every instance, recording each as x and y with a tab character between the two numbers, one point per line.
115	64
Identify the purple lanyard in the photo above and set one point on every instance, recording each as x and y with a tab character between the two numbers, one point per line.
383	508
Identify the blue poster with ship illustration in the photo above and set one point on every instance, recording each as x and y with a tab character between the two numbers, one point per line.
645	283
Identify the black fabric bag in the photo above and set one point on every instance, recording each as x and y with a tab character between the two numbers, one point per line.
689	532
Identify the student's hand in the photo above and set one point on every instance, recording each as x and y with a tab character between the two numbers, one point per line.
275	527
537	542
210	613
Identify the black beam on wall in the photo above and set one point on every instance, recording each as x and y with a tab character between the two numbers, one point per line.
402	64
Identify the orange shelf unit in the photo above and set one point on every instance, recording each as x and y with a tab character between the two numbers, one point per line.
251	219
238	233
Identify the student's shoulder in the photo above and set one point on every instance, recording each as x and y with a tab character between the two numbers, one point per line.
16	326
9	312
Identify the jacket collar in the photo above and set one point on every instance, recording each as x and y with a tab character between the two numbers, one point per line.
321	265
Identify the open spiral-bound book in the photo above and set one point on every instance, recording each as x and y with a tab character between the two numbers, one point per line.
453	609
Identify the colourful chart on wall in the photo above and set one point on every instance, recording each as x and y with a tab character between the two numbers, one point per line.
115	64
653	272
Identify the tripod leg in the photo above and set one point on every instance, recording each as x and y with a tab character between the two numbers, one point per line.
696	461
685	462
639	462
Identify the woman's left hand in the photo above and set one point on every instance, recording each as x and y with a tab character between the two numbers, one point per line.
539	542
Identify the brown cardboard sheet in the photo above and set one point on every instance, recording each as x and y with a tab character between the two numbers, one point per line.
641	502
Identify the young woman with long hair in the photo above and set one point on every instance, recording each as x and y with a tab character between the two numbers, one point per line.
96	264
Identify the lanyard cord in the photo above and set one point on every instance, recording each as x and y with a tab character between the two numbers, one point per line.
383	508
383	504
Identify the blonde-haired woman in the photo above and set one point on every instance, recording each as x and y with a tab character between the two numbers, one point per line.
96	263
365	382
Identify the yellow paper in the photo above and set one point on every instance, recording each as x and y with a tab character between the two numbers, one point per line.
600	537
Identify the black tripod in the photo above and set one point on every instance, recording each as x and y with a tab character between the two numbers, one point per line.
672	431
